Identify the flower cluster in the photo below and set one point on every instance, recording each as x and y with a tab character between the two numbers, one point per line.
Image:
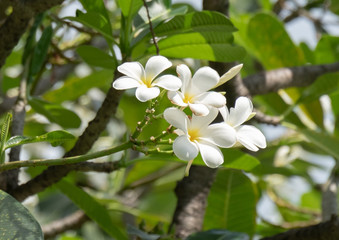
196	133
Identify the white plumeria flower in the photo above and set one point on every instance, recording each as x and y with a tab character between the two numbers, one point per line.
145	79
248	136
194	89
196	135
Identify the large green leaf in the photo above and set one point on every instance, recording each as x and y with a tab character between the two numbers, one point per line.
232	203
55	113
30	40
327	50
40	50
96	21
201	35
217	234
130	7
74	87
329	144
143	29
96	57
324	84
271	43
55	138
96	6
16	222
91	207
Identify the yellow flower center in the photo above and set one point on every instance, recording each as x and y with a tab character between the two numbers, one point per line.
193	134
147	82
188	98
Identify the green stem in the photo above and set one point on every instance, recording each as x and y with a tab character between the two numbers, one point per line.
64	161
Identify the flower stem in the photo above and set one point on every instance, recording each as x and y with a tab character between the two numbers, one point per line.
63	161
188	167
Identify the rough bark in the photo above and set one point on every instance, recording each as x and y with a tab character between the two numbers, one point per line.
192	192
272	81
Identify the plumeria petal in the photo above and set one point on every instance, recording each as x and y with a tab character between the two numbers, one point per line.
199	109
155	65
176	98
179	132
224	113
184	149
241	111
251	137
220	134
203	80
168	82
211	155
185	75
132	69
229	74
201	122
126	83
176	118
213	99
144	93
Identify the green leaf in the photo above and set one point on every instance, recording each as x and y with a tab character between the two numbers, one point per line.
96	21
3	135
95	6
55	138
201	35
55	113
271	43
130	7
91	207
329	144
232	203
16	222
96	57
143	29
30	41
40	51
216	234
327	50
74	87
324	84
274	50
236	159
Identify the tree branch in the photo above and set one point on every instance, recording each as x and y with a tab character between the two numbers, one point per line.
272	81
73	221
17	128
192	192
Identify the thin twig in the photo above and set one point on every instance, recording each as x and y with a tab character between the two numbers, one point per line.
151	28
72	221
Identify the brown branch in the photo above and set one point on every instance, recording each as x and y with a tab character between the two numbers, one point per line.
16	23
192	192
151	28
17	128
272	81
73	221
323	231
84	143
263	118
